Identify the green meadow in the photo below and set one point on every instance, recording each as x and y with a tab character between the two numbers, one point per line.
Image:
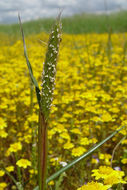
77	24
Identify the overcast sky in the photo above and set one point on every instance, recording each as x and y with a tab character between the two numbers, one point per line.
33	9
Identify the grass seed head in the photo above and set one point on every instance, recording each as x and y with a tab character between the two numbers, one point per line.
49	68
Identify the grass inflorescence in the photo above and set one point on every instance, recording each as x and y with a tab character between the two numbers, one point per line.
49	69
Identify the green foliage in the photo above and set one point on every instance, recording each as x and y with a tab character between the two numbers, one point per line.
59	181
33	80
82	23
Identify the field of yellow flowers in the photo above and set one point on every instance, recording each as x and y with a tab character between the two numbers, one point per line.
90	102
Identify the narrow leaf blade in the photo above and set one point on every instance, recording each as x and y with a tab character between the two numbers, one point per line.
55	175
82	157
28	64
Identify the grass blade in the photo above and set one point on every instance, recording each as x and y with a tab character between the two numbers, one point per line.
55	175
28	64
83	156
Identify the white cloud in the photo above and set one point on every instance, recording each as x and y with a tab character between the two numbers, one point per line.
62	2
32	9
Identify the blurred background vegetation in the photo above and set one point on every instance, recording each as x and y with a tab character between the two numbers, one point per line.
77	24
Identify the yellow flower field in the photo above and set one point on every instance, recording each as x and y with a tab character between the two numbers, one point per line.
90	102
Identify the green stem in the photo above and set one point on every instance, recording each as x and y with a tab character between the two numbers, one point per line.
117	145
18	170
34	131
31	96
42	152
119	186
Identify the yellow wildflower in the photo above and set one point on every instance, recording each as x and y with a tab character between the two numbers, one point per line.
3	134
124	160
78	151
10	168
68	145
93	140
1	173
114	178
76	131
105	157
84	141
51	183
14	147
3	186
65	135
94	186
24	163
102	172
109	175
94	161
33	118
106	117
2	124
124	141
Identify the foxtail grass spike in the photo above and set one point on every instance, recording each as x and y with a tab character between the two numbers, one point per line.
46	95
49	68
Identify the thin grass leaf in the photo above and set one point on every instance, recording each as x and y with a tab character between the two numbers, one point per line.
55	175
83	156
28	64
